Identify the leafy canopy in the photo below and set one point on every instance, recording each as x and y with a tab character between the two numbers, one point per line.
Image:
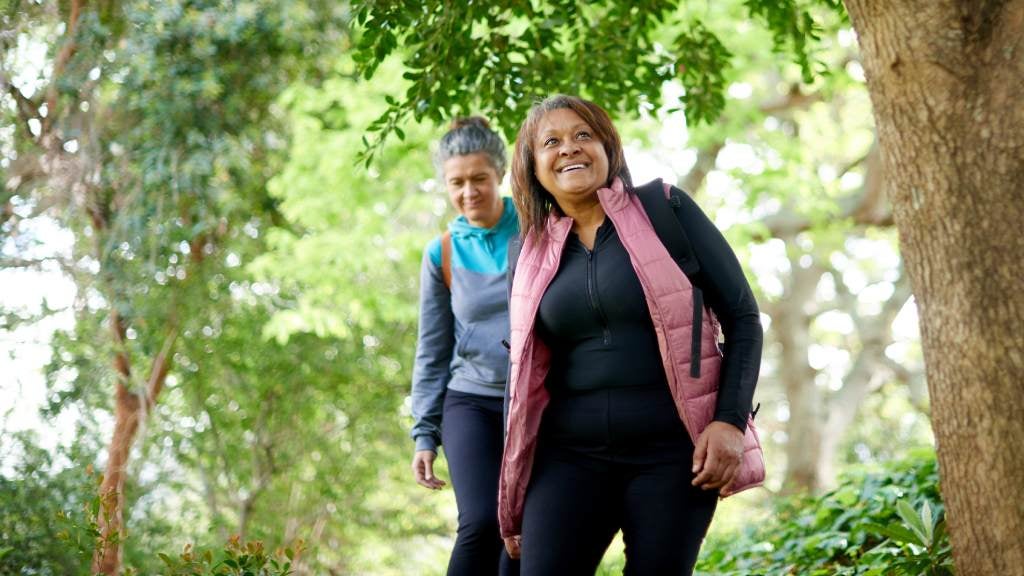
496	58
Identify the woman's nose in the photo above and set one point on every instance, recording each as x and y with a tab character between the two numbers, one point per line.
568	149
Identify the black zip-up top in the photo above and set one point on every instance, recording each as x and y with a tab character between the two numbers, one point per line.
595	319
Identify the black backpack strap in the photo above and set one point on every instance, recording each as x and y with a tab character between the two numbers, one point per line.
515	246
661	213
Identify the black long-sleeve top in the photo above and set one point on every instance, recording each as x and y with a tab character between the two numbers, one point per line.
594	317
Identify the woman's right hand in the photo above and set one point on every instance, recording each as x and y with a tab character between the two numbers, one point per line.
423	470
512	546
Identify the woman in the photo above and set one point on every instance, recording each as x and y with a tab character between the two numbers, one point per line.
458	381
611	425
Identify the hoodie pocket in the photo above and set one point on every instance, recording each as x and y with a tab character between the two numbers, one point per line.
464	341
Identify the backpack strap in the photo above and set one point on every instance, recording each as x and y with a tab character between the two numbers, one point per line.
666	224
446	258
515	246
660	201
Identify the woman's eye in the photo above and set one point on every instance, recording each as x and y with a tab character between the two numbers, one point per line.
583	134
550	142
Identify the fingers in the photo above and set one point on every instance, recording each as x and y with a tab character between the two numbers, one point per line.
710	472
423	470
512	546
724	478
700	451
726	489
720	469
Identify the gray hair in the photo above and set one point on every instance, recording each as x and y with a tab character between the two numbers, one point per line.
471	135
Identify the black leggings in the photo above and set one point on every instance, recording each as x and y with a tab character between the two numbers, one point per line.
471	433
608	460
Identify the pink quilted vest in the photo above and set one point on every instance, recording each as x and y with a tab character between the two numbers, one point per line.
669	299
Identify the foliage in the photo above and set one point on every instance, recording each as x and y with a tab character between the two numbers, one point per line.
81	535
498	57
33	499
888	521
236	128
236	559
153	152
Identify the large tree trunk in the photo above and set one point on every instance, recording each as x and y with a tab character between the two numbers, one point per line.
946	80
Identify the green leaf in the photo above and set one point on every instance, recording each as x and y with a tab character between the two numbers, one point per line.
940	533
897	533
913	520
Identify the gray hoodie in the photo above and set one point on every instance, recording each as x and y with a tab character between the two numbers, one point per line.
460	333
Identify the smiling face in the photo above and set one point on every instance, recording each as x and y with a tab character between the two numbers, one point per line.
570	161
472	184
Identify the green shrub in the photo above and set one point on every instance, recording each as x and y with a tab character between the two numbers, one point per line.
878	523
236	559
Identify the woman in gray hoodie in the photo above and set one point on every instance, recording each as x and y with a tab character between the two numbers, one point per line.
458	381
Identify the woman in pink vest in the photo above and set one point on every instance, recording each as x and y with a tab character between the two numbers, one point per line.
624	412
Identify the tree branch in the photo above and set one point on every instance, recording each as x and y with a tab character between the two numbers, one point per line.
36	263
162	363
27	109
707	157
794	98
868	207
61	62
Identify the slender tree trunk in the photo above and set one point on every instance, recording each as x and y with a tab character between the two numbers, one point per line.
842	411
946	79
805	427
107	558
870	370
131	409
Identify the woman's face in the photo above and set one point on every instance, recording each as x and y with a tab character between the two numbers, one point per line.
569	160
472	184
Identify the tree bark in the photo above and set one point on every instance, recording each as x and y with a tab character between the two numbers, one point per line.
946	79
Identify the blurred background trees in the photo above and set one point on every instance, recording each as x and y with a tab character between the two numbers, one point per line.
210	228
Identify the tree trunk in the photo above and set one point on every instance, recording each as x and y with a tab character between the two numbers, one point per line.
131	409
946	80
805	427
107	557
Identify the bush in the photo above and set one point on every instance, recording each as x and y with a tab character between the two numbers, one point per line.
33	495
886	522
236	559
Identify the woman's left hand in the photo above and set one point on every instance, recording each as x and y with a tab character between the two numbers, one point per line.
717	457
513	546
